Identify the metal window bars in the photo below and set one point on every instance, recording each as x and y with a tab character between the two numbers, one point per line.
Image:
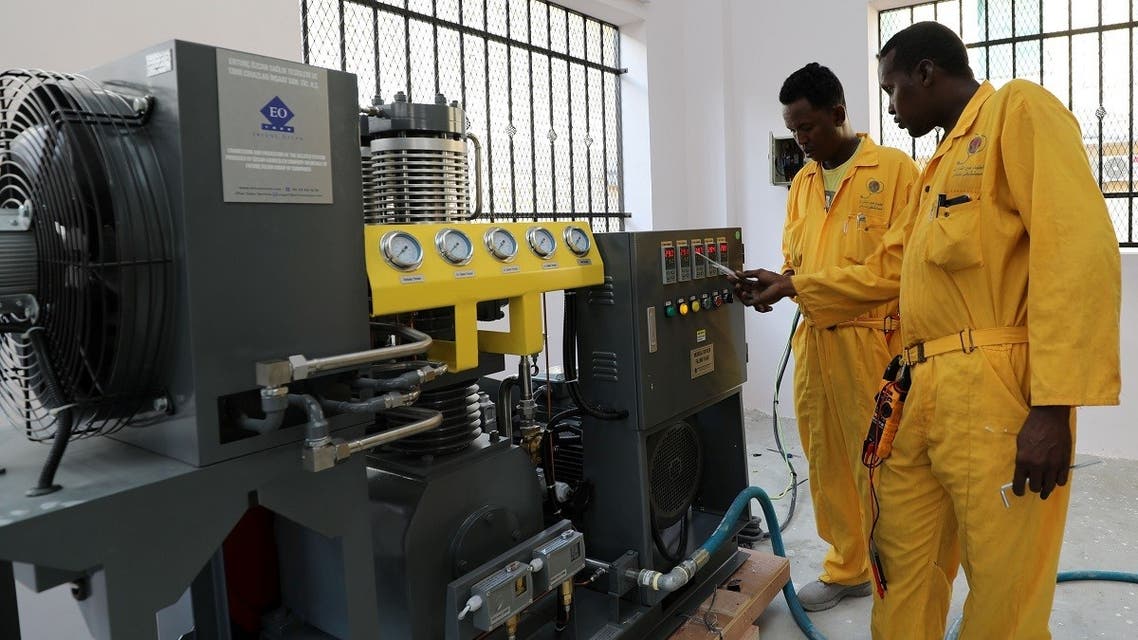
540	85
1080	50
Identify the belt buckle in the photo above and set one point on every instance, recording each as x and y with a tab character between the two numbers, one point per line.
920	349
971	343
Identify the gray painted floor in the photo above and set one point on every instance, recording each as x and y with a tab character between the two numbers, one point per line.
1101	534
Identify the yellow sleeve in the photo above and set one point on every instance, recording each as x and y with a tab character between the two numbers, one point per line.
790	226
837	294
1074	273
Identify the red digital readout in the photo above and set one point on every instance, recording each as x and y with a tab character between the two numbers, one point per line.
669	253
699	250
684	252
722	247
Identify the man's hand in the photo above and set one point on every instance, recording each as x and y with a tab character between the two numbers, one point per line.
762	288
1043	455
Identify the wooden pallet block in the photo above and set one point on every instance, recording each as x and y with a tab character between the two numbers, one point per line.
739	601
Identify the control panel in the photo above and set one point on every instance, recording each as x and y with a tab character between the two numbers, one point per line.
686	345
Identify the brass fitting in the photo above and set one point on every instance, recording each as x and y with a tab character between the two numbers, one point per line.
512	628
567	596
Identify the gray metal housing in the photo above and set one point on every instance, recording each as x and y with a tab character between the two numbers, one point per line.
647	370
255	279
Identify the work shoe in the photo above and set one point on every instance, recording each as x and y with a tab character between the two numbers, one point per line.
819	596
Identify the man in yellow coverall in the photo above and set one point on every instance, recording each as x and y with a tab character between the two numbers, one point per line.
1010	294
839	208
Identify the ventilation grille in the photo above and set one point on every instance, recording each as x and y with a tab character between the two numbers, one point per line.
605	366
603	293
674	469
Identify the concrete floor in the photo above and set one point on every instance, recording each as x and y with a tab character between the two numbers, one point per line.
1100	535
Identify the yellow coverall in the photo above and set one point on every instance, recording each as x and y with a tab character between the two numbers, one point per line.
838	369
1034	248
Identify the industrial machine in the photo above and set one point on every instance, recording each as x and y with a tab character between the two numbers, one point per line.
285	345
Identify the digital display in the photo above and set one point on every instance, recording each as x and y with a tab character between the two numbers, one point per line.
684	252
699	249
669	253
723	248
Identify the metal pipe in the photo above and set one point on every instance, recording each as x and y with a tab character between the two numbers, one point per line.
422	342
297	367
427	419
379	403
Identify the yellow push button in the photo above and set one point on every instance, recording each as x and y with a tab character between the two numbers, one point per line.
695	306
683	308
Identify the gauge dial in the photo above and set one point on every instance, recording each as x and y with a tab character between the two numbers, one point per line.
454	246
401	250
501	243
577	240
541	241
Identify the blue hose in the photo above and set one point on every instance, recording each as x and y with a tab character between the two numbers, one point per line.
1064	576
721	534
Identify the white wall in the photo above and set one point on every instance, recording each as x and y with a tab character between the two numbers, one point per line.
73	36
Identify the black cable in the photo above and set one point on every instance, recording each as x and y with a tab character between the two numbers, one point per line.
505	405
569	352
777	436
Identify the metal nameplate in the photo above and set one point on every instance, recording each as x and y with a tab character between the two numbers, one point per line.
702	361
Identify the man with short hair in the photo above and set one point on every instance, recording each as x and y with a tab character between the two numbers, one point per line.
840	206
1010	293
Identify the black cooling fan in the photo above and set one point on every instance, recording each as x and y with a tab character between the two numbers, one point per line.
86	259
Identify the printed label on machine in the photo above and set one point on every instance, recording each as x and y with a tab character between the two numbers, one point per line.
702	361
159	62
274	130
550	265
584	262
513	268
411	279
701	335
466	273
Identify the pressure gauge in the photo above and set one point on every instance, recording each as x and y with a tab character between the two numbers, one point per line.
501	244
541	241
401	250
454	246
577	240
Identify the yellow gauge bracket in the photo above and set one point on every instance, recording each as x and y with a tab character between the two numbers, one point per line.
520	279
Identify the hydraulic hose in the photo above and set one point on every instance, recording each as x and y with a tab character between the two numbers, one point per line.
683	572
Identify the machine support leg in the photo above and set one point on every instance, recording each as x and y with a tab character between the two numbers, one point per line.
9	611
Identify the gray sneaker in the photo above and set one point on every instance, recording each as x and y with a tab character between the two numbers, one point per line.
819	596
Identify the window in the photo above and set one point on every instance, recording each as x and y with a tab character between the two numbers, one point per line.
540	85
1080	50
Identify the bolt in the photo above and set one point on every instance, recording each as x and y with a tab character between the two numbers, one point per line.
400	97
161	404
440	99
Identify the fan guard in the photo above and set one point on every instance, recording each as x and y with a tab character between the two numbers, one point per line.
86	257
